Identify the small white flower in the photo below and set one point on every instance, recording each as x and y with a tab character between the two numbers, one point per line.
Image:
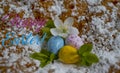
64	29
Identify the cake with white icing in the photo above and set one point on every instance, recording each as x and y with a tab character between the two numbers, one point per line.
98	22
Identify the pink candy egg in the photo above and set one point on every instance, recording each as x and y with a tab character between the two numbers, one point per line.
74	40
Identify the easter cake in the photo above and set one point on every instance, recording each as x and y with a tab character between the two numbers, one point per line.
59	36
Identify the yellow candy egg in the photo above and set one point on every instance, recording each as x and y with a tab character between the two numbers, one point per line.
68	54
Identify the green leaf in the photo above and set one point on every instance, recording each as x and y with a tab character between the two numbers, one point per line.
47	61
52	57
83	62
90	58
87	58
37	58
88	64
43	63
50	24
48	37
47	31
85	48
44	56
46	52
38	55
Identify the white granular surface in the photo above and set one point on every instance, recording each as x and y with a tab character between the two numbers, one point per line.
105	38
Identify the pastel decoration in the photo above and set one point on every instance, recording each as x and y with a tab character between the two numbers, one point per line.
74	40
43	38
68	55
8	36
24	40
25	22
16	41
55	43
65	28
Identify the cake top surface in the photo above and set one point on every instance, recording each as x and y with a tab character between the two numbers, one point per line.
98	22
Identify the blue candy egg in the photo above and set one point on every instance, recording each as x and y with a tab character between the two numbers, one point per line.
55	43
